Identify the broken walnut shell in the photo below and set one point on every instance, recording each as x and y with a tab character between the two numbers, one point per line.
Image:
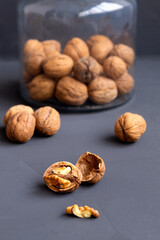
91	166
124	84
51	47
129	127
82	212
62	177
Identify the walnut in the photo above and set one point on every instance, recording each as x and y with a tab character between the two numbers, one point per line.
51	47
86	69
58	66
41	88
70	91
114	67
33	65
62	177
101	50
47	121
82	212
20	127
98	39
15	109
34	47
76	48
91	166
124	52
102	90
125	84
129	127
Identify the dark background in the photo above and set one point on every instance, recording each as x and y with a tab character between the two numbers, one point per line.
148	28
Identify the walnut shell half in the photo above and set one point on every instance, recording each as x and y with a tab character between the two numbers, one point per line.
62	177
92	167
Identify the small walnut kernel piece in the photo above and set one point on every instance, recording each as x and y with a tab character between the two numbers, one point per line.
41	88
33	65
76	48
91	166
58	66
114	67
51	47
47	121
82	212
101	50
98	39
102	90
15	109
129	127
33	47
70	91
124	84
62	177
124	52
20	127
86	69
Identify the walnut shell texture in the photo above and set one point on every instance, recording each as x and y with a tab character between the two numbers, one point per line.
98	39
51	47
60	181
92	167
114	67
34	47
129	127
125	84
41	88
47	120
33	65
70	91
102	90
101	50
20	127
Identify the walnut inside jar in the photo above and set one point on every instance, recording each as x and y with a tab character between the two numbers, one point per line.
124	84
51	47
62	177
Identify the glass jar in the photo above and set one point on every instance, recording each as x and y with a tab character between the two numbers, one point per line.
96	39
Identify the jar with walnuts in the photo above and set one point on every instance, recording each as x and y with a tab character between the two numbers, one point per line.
77	56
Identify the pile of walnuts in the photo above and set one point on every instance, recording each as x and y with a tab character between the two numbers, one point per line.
96	69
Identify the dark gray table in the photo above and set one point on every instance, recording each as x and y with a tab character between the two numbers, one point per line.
128	197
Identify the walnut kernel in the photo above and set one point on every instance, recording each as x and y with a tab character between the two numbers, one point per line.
82	212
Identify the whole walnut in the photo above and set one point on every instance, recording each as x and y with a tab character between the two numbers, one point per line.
71	91
86	69
51	47
33	65
58	66
15	109
114	67
41	88
98	39
47	121
101	50
125	52
20	127
76	48
129	127
102	90
34	47
125	83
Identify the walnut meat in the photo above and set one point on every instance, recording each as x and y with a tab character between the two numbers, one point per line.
15	109
33	65
114	67
101	50
124	52
91	166
125	84
82	212
98	39
34	47
20	127
86	69
76	48
47	121
129	127
102	90
41	88
70	91
51	47
62	177
58	66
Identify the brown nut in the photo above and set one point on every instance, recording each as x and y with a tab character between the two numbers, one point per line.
70	91
124	52
82	212
91	166
114	67
33	65
15	109
86	69
102	90
20	127
34	47
101	50
98	39
51	47
58	66
129	127
76	48
47	121
41	88
124	84
62	177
